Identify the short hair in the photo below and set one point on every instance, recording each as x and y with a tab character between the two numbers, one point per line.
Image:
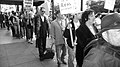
57	12
14	13
98	14
85	15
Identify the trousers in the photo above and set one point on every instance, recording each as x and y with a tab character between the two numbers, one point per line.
41	45
71	57
60	48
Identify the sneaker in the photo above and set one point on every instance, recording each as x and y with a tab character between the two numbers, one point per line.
63	61
59	62
31	42
59	65
28	41
41	59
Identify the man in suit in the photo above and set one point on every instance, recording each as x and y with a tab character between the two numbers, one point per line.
41	32
56	33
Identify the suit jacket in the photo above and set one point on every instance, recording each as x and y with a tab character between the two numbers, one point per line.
41	28
57	33
84	35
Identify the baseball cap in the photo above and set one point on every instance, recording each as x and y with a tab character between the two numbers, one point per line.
111	21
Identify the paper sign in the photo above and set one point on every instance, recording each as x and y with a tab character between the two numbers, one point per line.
109	4
66	6
28	4
70	6
77	6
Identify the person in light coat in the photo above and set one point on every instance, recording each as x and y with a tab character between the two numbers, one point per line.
56	33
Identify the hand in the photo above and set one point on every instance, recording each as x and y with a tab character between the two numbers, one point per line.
4	21
48	35
75	43
69	26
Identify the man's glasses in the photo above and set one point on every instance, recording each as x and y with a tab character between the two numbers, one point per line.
43	11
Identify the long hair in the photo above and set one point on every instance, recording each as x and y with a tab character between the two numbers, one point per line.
85	16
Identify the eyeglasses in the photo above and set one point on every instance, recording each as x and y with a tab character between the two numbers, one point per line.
43	11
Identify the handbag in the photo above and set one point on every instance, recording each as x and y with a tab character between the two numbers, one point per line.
49	53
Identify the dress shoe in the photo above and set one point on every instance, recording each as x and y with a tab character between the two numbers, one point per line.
31	42
59	62
41	59
59	65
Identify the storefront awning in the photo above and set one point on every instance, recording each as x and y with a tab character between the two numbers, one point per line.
20	2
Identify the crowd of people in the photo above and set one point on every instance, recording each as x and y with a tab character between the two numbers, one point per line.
91	39
20	23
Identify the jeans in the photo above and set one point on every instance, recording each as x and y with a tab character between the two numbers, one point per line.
59	48
71	57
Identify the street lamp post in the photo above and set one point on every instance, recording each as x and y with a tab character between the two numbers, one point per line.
17	8
81	5
52	3
0	7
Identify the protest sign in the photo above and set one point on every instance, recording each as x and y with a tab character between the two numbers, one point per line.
66	6
28	4
70	6
109	4
77	6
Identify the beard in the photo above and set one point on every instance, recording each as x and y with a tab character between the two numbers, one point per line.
112	37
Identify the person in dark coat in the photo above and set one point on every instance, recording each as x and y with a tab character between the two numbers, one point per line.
7	21
41	32
29	28
1	20
11	24
14	21
105	51
16	25
85	33
22	25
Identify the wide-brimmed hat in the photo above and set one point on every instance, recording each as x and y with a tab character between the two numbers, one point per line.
111	21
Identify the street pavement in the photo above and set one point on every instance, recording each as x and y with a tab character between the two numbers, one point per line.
18	53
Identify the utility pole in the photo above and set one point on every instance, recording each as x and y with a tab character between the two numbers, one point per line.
37	9
52	2
22	8
17	8
0	7
81	5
